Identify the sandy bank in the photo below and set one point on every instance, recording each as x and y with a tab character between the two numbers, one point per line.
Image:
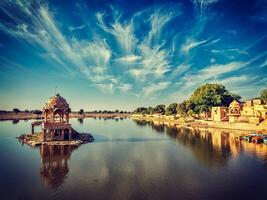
200	123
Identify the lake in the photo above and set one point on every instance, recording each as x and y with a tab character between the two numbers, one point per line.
132	160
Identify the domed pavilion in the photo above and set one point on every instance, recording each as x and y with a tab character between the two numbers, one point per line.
56	120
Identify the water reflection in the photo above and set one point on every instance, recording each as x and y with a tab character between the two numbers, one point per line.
80	120
54	164
15	121
211	147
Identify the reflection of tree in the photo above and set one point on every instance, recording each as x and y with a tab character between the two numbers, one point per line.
15	121
211	149
141	122
80	120
54	166
202	145
158	127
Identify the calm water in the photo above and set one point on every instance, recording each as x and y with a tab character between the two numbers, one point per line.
133	160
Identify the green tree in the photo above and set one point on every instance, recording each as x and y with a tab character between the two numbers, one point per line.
159	109
264	95
150	110
185	108
172	109
209	95
16	110
81	111
141	110
37	112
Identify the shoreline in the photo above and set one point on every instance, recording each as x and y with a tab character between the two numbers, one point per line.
200	124
28	116
36	139
167	120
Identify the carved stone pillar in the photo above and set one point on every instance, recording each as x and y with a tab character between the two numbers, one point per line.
62	134
52	134
45	116
44	134
67	117
70	133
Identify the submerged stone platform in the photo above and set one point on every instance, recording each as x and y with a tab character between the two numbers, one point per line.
37	139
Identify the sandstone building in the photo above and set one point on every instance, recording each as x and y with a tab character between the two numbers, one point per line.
252	111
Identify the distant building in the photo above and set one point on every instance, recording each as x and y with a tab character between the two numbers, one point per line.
235	109
219	114
252	111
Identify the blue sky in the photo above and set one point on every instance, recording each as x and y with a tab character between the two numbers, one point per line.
123	54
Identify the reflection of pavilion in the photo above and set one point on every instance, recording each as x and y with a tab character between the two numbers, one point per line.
54	163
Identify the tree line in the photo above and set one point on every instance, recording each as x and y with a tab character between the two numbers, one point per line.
81	111
16	110
201	101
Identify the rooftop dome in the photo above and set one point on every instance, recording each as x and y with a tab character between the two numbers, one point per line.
55	102
235	103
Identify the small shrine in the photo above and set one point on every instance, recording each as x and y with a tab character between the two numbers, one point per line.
56	120
55	126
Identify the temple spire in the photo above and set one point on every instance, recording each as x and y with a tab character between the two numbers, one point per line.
56	90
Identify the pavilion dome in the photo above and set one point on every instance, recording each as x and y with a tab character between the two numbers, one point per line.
56	102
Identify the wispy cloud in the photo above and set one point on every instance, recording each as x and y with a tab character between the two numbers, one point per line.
129	58
126	87
157	21
139	52
154	88
190	44
230	51
73	28
123	32
264	64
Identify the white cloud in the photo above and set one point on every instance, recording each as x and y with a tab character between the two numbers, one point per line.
155	87
218	69
230	51
73	28
152	62
190	44
205	2
158	20
89	57
264	64
180	69
212	60
126	87
236	80
211	73
124	33
105	87
129	58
